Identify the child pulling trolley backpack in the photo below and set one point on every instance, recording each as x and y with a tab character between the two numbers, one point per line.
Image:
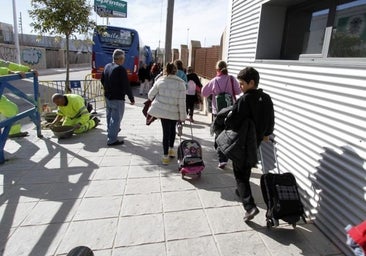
189	155
280	194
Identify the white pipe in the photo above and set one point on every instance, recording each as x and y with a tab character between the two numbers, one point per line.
16	37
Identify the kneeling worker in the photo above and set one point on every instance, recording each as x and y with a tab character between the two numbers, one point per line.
72	108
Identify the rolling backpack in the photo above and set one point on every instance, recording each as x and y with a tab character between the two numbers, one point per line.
190	160
280	193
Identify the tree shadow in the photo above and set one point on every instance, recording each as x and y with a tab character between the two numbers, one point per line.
39	183
338	196
149	156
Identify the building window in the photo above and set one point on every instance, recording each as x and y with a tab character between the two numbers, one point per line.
314	38
349	31
301	29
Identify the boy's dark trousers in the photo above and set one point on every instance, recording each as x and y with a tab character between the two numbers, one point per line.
242	175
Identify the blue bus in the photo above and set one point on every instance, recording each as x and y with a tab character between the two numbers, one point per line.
107	38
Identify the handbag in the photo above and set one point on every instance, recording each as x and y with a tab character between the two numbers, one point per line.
225	99
149	118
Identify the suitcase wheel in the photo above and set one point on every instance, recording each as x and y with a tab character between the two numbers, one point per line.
272	223
269	224
199	174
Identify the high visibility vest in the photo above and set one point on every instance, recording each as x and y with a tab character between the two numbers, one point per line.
6	66
75	107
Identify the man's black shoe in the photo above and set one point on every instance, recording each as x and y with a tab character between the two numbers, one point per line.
116	143
249	215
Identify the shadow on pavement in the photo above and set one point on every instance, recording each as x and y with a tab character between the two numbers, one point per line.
42	183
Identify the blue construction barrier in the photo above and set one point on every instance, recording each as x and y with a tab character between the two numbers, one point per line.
32	112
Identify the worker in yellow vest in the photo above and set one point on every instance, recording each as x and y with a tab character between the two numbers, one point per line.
72	109
7	107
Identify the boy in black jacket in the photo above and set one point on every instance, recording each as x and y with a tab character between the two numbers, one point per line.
256	105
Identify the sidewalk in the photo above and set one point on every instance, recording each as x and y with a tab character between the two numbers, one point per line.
56	195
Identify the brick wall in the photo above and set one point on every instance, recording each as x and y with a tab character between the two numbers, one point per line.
205	61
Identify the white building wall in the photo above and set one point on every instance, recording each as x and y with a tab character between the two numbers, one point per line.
320	111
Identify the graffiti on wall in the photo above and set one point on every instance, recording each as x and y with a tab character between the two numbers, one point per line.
8	54
31	56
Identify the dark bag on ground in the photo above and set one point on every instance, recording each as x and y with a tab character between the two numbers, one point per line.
282	198
280	192
149	118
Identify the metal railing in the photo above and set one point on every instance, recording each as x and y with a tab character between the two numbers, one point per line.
32	112
90	89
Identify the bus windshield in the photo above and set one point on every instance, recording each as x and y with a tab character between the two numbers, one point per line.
120	38
107	38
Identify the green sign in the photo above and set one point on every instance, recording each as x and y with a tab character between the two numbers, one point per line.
111	8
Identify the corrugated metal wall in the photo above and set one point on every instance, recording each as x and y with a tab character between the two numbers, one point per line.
320	125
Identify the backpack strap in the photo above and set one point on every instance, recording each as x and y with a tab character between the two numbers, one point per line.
218	86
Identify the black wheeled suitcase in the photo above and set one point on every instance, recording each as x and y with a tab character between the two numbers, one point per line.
280	193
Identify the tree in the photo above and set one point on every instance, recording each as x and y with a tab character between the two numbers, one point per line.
62	17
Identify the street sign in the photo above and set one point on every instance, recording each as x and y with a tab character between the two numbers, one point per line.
111	8
75	84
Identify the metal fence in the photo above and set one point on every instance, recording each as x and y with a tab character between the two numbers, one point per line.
90	89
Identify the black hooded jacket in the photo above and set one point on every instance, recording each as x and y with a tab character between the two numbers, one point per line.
256	106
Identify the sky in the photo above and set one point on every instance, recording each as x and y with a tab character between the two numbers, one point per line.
201	20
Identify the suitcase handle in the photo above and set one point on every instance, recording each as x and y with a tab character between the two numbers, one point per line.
271	140
180	129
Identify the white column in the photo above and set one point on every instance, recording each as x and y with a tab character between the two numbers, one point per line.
16	37
169	31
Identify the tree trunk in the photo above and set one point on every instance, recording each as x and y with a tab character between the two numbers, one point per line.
67	81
